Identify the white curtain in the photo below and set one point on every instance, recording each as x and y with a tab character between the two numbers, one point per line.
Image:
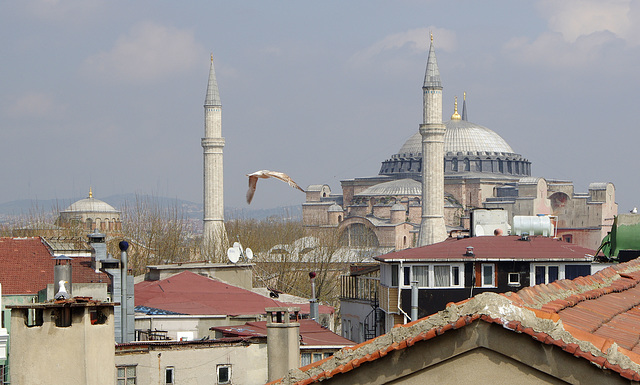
442	276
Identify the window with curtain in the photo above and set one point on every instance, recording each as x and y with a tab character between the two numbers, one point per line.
421	274
442	275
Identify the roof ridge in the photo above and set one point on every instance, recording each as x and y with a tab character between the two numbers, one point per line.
542	325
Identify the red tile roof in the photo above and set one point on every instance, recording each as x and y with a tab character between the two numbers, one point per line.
500	247
312	333
190	293
26	266
596	318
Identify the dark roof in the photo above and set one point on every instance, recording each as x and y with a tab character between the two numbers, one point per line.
595	318
511	247
194	294
26	266
312	333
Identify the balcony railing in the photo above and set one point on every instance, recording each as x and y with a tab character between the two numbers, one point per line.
359	287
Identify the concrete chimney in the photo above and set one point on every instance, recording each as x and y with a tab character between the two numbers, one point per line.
283	341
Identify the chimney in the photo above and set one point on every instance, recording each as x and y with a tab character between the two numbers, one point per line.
62	272
469	252
283	341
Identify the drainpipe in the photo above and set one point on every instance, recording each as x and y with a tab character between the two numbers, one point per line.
313	302
123	245
414	300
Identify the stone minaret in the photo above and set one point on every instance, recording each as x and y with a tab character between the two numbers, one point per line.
432	228
212	144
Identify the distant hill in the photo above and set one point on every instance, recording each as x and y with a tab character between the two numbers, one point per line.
193	211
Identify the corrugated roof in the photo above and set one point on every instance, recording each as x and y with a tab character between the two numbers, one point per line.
490	247
194	294
26	266
311	333
595	318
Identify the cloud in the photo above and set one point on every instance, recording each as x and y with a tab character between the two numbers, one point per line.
147	53
551	50
579	32
36	104
415	41
576	18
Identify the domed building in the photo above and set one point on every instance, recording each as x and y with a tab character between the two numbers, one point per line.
92	214
471	150
481	170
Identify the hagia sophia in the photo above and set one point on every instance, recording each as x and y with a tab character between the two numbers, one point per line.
481	170
384	212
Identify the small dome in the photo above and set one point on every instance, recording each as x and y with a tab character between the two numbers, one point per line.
91	205
461	136
335	208
392	188
398	207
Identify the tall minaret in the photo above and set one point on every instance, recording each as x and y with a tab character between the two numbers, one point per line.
432	228
212	144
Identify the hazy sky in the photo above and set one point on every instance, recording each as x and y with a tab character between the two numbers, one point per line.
109	94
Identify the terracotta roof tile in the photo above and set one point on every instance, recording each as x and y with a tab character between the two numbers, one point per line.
26	266
190	293
601	313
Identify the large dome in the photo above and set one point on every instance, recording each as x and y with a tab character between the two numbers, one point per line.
461	136
91	204
470	151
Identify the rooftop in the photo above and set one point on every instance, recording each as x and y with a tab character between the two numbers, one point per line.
193	294
593	318
26	266
312	334
536	248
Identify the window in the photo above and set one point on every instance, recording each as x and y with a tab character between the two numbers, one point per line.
224	374
514	279
421	274
575	271
125	375
317	357
406	273
455	275
394	275
546	274
442	276
487	275
305	359
567	238
168	375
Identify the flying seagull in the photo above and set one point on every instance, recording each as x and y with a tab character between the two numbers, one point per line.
62	291
264	174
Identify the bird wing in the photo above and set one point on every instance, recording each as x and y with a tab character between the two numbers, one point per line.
283	177
253	181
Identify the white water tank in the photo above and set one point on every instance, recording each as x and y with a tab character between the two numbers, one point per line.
532	225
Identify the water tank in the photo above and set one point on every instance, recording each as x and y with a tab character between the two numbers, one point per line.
532	225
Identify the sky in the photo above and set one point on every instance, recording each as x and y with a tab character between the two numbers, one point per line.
109	94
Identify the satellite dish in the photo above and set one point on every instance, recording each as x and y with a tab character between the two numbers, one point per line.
233	254
249	253
237	245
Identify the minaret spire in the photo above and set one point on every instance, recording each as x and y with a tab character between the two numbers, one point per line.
464	106
432	226
214	233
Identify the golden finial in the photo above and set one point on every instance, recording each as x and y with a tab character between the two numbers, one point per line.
464	96
431	33
90	193
455	115
211	57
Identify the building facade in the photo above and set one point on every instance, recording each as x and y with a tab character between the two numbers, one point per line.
481	170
